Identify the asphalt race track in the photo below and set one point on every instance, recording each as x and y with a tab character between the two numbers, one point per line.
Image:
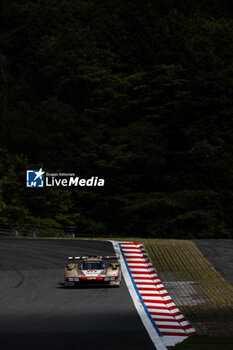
220	253
37	312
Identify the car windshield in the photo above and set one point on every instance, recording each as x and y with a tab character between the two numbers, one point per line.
92	265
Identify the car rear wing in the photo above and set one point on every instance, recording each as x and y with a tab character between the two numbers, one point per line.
93	256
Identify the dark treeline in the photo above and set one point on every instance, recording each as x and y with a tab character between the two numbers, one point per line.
137	92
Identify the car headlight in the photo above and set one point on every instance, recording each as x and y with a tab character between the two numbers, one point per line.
71	279
106	278
112	278
76	279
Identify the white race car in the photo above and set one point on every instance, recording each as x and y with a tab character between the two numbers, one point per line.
93	270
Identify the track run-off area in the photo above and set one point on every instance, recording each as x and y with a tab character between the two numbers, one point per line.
198	276
37	312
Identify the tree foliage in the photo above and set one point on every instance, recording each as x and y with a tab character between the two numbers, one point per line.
137	92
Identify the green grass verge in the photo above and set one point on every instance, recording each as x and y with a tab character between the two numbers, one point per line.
204	342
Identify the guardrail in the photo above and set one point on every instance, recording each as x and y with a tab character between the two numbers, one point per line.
6	230
28	230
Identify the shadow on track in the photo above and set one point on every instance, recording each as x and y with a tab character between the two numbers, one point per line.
87	286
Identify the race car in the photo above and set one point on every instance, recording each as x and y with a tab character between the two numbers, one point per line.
93	270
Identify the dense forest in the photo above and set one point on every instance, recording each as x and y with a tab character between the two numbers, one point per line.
139	93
